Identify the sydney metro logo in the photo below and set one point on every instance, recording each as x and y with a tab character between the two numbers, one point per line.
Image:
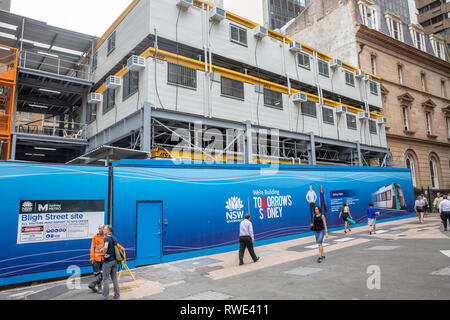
234	211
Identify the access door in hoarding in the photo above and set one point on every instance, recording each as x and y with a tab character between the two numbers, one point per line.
149	233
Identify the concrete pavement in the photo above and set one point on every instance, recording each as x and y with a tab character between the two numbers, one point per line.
404	260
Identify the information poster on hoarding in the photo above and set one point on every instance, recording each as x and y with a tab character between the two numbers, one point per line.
59	220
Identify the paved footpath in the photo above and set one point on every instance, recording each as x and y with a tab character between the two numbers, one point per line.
404	260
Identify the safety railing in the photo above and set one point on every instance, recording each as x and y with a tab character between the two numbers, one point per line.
8	63
54	64
68	130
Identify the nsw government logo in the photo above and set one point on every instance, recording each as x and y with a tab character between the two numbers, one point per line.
234	210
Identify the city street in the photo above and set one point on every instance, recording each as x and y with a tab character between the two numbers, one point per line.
404	260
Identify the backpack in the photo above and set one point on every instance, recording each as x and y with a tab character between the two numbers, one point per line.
118	253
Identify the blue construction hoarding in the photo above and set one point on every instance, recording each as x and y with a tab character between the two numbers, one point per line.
163	212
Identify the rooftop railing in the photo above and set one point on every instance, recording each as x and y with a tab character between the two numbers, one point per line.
54	64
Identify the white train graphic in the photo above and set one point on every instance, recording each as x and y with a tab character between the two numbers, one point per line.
389	197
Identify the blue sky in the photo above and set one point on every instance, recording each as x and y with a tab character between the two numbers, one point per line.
92	17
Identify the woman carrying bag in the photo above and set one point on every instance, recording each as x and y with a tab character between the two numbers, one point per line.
345	213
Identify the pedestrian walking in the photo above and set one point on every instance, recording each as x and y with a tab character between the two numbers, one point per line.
246	239
311	197
97	260
110	264
345	214
419	207
444	210
372	219
319	226
425	206
437	201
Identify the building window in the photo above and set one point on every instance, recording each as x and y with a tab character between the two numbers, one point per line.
328	115
405	118
410	165
438	47
91	113
273	99
351	122
434	173
395	27
400	74
423	82
109	99
232	88
94	62
373	87
304	60
443	91
111	43
130	84
373	63
181	76
418	39
238	35
428	119
373	126
448	128
349	78
369	15
323	68
309	109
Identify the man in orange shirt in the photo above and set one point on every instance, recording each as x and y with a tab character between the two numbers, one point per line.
97	259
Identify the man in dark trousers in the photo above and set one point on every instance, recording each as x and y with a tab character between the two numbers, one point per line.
110	264
246	239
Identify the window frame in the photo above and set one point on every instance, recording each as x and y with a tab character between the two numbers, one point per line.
272	92
434	177
307	104
428	123
179	84
109	100
323	62
222	78
90	116
127	86
239	29
348	116
304	54
373	127
405	118
111	43
352	74
324	119
372	85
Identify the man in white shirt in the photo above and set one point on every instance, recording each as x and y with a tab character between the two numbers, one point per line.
246	239
311	197
444	209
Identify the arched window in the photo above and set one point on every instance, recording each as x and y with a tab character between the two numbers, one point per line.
434	173
410	165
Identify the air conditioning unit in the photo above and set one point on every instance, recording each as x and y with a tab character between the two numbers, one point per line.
95	98
382	121
295	46
367	77
359	74
336	63
217	14
300	97
113	82
341	109
363	116
136	63
260	32
259	88
185	4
